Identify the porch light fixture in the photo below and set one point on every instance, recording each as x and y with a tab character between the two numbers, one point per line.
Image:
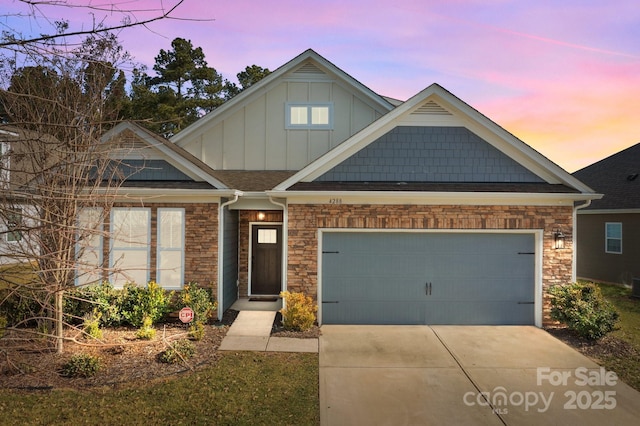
261	215
558	239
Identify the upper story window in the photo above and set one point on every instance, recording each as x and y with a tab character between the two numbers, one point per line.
309	116
613	237
14	223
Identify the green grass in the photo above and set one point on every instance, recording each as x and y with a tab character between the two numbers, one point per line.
626	363
244	388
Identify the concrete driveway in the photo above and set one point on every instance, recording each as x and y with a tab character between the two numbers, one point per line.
466	375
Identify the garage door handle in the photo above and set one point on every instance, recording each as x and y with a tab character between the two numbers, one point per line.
427	289
331	301
526	303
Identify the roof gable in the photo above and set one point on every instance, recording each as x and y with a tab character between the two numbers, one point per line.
617	177
307	65
151	158
436	107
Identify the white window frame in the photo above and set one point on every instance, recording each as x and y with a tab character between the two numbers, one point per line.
163	274
310	116
5	164
608	238
14	236
86	271
116	251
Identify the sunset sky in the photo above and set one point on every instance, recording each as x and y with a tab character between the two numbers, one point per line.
563	76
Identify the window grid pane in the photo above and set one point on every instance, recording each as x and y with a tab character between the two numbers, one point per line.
320	115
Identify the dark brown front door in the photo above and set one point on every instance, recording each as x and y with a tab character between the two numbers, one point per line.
266	259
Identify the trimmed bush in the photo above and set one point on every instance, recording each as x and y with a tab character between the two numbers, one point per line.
81	365
299	313
180	350
583	309
137	302
199	299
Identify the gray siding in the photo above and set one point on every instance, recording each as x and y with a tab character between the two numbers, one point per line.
230	265
429	154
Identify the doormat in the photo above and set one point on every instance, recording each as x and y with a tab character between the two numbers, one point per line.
263	299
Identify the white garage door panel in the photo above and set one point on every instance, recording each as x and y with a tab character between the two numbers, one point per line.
427	278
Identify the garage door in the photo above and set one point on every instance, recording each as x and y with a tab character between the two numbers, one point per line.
427	278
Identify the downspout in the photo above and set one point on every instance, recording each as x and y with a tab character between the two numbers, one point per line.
574	263
285	240
221	251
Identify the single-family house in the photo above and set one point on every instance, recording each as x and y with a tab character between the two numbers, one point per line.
609	228
385	212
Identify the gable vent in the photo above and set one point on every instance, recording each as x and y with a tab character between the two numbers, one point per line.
431	108
309	68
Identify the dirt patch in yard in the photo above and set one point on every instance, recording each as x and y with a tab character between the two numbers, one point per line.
34	365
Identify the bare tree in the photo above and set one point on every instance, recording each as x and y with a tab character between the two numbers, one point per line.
105	17
54	166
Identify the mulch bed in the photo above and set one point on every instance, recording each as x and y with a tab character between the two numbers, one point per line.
606	347
279	331
124	358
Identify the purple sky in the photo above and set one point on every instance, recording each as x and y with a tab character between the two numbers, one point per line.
564	76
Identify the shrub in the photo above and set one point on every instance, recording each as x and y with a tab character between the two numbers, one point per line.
146	332
583	309
81	365
196	330
299	313
102	298
199	299
180	350
91	324
138	302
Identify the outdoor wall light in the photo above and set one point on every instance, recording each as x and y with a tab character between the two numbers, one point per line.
261	215
558	239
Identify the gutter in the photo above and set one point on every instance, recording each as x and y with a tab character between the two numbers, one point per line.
236	195
574	263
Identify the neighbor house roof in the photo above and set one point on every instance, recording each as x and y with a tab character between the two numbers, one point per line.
617	177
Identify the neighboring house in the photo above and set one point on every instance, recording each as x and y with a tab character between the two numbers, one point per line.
385	212
609	229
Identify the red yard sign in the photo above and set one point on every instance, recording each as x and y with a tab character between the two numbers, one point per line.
186	314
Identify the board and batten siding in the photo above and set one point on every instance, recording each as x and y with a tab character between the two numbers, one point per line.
253	136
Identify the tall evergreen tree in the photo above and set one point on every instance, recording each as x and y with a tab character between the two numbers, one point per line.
183	90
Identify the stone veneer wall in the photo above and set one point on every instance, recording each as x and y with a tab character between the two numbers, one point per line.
201	241
305	220
247	217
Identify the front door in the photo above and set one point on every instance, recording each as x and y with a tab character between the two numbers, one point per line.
266	259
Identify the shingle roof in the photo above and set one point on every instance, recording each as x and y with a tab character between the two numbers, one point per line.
253	181
617	177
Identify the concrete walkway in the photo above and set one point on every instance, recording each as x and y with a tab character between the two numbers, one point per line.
251	331
437	375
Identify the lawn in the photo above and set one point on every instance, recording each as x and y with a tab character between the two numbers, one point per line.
241	388
626	361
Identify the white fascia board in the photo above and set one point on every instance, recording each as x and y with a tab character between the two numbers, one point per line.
610	211
168	195
429	198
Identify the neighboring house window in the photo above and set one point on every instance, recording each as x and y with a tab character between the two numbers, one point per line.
613	237
14	222
4	165
130	245
89	246
170	260
309	116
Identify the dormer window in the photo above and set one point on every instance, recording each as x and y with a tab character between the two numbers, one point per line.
309	116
